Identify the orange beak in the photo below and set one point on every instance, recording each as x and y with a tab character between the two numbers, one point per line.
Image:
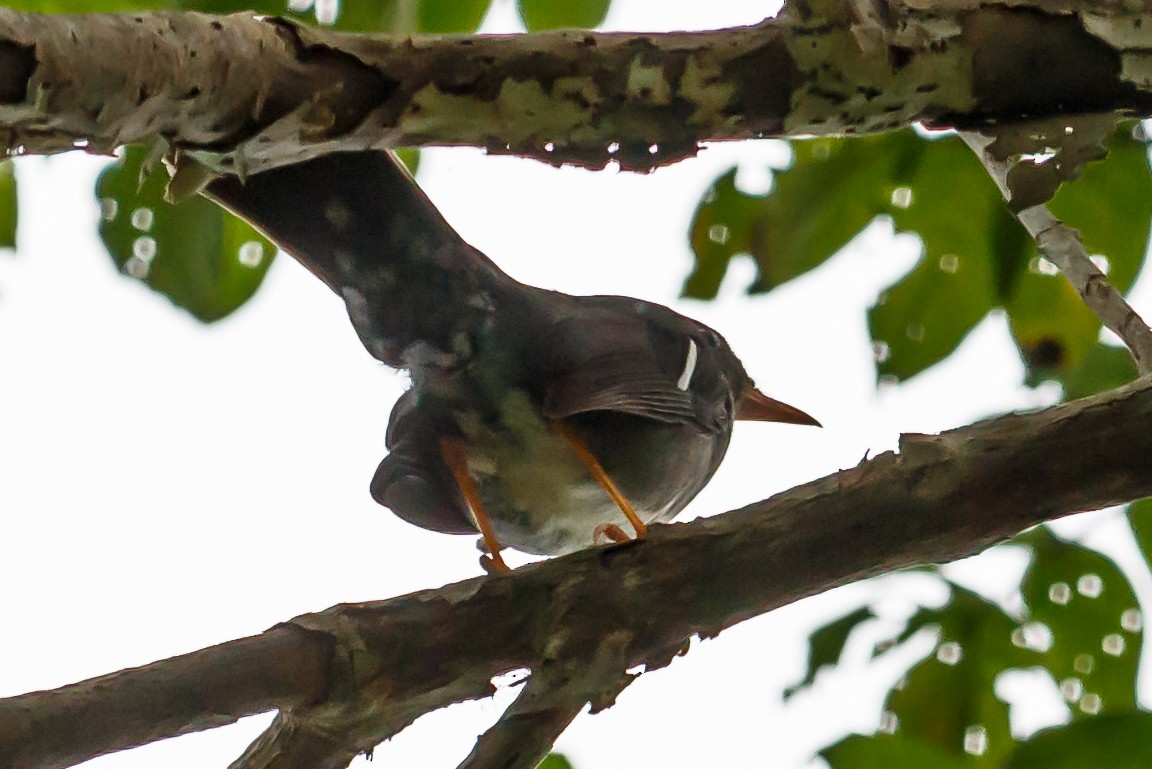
758	407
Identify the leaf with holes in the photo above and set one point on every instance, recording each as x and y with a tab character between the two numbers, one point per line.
721	229
540	15
1111	206
195	253
832	190
1115	742
976	256
889	751
949	698
826	644
966	260
1088	605
921	319
8	207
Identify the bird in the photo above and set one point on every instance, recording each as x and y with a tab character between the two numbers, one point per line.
546	422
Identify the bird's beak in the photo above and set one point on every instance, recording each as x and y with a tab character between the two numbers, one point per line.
758	407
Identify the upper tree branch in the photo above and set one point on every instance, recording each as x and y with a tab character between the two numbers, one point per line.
612	609
248	93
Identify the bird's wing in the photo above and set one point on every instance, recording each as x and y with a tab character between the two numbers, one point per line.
603	359
615	382
413	481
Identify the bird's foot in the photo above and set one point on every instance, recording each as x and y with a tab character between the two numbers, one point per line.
589	460
493	564
453	451
611	533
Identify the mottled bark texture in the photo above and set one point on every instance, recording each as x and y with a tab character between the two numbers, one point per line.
247	93
582	621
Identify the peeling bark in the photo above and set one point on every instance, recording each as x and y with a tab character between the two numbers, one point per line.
246	93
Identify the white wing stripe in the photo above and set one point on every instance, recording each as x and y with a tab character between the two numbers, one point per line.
689	366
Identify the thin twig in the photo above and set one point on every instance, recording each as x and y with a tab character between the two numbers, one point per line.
1061	245
527	730
577	671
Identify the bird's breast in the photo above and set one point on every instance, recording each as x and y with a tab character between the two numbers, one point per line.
542	499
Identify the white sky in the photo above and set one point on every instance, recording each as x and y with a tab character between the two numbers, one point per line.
166	486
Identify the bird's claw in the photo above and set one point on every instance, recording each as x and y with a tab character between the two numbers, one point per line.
607	533
493	564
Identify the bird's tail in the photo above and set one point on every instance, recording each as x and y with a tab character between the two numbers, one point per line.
360	223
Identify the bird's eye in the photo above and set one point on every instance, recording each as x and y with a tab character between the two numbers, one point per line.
712	339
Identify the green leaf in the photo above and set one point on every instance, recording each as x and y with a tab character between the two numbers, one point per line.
1140	518
952	692
360	16
1089	606
922	319
195	253
1116	742
373	16
539	15
8	207
444	17
832	190
380	16
555	761
976	256
1103	367
269	7
410	157
826	644
1111	206
351	16
889	751
721	229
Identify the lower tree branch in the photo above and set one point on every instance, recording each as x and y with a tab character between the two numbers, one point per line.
285	667
358	673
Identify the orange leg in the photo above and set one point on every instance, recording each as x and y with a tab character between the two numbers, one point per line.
597	472
609	532
452	450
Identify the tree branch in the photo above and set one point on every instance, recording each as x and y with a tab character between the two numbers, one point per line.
379	665
286	667
1061	245
248	93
